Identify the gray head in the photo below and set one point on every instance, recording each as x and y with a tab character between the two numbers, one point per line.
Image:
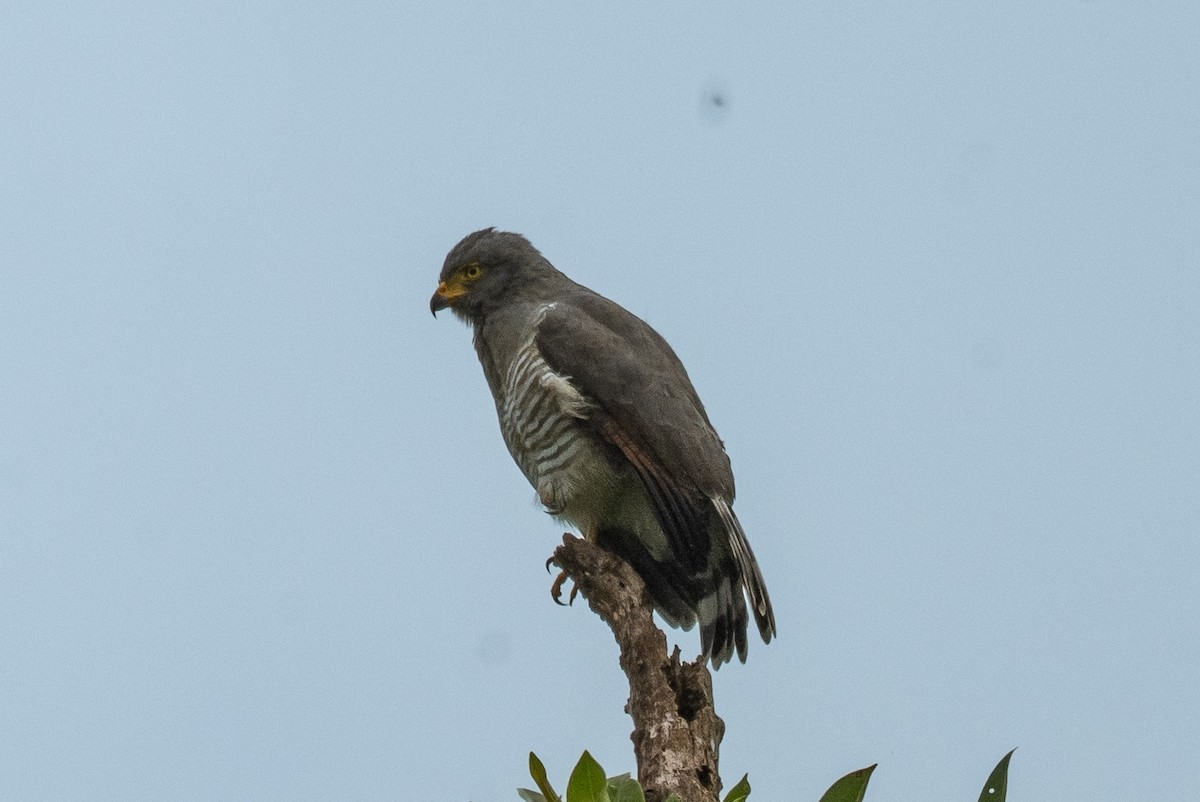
485	270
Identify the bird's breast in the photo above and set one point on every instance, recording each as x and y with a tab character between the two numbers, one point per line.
541	416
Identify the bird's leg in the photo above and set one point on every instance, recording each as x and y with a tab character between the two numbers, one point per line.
557	586
556	590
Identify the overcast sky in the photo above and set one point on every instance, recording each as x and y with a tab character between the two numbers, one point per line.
933	267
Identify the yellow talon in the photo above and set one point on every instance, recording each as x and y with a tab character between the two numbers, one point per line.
556	590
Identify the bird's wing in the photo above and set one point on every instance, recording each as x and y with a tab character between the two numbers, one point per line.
646	407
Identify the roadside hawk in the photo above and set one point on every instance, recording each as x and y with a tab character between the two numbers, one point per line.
602	419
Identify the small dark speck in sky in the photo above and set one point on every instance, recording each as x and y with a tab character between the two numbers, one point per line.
714	104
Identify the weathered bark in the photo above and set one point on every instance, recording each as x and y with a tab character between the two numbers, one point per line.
676	731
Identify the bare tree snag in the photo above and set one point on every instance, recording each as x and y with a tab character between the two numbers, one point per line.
676	732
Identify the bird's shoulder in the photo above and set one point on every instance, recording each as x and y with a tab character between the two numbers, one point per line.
584	324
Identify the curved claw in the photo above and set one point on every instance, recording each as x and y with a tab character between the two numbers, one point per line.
556	590
549	562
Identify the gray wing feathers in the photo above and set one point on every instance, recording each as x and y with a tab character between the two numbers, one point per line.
632	373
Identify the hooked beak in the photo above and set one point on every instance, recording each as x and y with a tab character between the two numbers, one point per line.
445	294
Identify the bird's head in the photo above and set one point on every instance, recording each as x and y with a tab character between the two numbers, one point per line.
482	270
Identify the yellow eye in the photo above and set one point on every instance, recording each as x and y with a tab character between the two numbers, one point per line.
472	271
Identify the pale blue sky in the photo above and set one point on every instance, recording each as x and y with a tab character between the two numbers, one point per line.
933	267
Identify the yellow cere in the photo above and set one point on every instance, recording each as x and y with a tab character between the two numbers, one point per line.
452	288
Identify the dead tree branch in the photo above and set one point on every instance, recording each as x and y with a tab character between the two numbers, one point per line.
676	731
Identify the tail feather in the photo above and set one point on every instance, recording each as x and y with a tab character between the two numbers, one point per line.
723	620
751	576
711	594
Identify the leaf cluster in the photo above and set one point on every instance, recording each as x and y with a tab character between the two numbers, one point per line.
588	783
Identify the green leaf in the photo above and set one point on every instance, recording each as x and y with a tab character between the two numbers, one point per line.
538	772
530	796
850	788
587	783
740	791
996	787
625	789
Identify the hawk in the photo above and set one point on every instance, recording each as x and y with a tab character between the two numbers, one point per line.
601	417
